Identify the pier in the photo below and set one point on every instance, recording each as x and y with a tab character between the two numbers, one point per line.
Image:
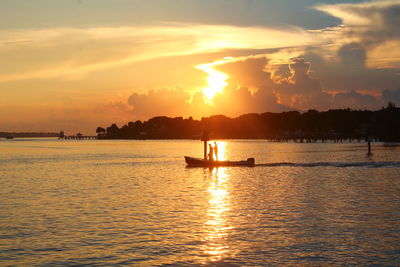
74	137
79	136
310	139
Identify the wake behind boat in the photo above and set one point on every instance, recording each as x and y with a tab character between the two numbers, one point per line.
198	162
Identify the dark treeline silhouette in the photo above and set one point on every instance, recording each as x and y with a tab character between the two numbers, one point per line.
336	125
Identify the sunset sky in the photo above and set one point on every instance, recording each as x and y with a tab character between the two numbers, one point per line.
74	65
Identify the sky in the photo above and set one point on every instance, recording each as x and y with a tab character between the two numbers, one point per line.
74	65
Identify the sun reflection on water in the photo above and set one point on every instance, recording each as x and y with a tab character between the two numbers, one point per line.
217	226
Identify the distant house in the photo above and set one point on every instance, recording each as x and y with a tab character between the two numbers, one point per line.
61	135
102	135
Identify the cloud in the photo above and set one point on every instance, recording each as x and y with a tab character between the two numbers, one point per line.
373	22
251	86
89	64
71	53
173	102
391	96
362	54
374	25
352	56
350	71
236	101
166	101
356	100
250	71
300	90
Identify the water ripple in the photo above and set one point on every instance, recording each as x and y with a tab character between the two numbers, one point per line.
368	164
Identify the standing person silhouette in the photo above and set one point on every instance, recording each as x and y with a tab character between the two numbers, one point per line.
210	153
216	150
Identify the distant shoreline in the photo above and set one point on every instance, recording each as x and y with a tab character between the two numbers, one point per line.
27	134
310	126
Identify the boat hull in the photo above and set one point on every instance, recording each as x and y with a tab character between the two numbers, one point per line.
197	162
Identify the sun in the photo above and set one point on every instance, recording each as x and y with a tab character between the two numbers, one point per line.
216	82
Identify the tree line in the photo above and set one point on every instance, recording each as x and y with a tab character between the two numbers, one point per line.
382	125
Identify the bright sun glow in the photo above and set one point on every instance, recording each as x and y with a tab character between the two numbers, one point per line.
216	81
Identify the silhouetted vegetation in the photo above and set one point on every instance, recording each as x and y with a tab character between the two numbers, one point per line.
382	125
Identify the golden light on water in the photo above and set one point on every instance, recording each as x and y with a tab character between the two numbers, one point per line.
218	206
216	82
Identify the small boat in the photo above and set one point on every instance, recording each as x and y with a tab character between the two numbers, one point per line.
197	162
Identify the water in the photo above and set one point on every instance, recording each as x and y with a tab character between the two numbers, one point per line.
135	203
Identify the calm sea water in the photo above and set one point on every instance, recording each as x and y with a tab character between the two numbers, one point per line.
136	203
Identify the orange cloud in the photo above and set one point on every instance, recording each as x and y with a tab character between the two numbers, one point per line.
70	53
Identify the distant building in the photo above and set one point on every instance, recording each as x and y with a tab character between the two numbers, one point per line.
61	135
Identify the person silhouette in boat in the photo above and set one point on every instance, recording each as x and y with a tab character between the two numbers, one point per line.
210	153
216	150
